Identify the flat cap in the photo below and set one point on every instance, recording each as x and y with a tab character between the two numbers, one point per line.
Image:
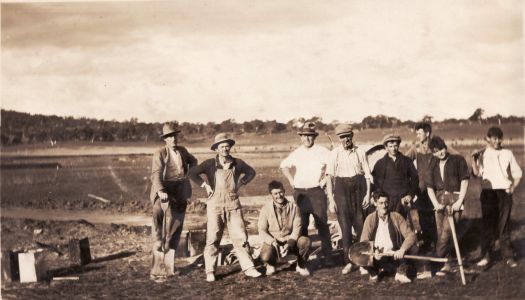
344	129
391	138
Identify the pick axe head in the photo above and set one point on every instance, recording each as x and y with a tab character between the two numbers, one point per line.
357	256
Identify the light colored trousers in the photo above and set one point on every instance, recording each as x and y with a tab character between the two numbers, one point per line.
232	218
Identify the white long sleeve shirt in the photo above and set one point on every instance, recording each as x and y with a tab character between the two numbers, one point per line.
498	167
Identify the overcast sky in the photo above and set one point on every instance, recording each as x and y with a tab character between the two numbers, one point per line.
200	61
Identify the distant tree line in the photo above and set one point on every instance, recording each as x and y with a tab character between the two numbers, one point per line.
24	128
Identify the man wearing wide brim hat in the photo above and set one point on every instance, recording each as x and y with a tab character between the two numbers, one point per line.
225	175
170	187
350	193
169	129
308	128
396	175
309	161
222	138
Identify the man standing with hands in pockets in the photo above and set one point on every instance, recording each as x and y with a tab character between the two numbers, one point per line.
350	172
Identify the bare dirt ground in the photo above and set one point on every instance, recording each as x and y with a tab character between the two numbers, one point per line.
122	254
122	260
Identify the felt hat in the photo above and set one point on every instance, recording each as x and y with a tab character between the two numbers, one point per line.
391	138
344	129
308	129
169	129
222	138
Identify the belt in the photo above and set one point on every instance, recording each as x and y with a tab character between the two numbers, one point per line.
306	189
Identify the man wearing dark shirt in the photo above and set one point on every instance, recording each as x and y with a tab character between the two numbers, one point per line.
421	155
396	175
447	185
223	206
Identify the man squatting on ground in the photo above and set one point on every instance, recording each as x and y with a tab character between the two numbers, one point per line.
309	161
396	175
447	184
421	155
501	174
390	232
170	187
223	206
279	231
348	168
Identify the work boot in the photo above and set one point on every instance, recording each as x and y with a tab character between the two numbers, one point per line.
402	278
373	278
302	271
363	271
424	275
348	268
444	270
252	272
484	261
210	277
511	263
270	270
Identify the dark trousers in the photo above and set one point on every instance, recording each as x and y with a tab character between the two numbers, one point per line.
313	202
496	206
427	220
174	215
174	222
348	194
269	253
389	264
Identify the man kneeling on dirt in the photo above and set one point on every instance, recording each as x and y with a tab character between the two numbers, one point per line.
225	174
279	229
390	232
170	188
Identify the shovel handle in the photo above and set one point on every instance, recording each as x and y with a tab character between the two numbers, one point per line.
416	257
456	246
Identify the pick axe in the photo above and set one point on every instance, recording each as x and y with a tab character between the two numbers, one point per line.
164	260
362	254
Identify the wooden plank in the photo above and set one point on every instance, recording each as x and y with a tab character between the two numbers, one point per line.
79	252
32	266
9	264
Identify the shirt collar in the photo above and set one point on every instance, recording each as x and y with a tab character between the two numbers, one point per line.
351	150
219	165
285	203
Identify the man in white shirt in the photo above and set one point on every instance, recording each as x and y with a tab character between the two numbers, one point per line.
349	170
501	174
309	161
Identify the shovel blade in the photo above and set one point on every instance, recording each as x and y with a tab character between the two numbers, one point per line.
356	255
163	263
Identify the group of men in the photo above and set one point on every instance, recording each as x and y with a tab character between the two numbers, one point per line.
401	204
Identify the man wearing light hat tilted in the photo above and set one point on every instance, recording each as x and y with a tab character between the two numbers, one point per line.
225	175
170	187
349	169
